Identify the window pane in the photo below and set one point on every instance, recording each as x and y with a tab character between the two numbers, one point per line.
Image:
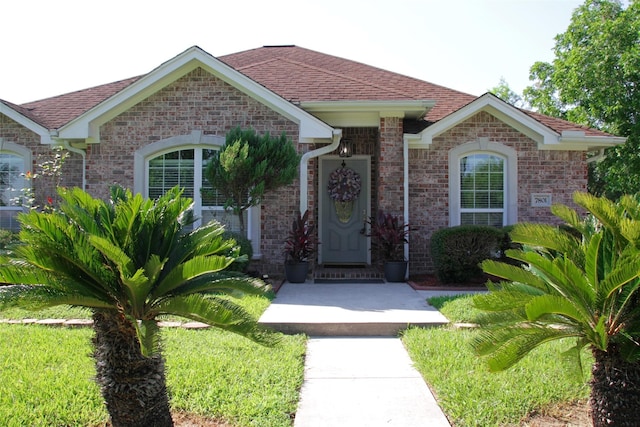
482	189
170	170
496	200
496	181
227	218
482	199
210	196
494	219
12	180
466	199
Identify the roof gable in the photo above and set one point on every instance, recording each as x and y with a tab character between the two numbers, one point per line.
549	133
86	126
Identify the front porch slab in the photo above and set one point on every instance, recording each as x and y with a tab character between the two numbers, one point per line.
349	309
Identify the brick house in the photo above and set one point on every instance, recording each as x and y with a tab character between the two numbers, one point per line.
415	145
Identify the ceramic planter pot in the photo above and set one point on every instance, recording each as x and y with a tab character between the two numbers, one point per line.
296	273
395	271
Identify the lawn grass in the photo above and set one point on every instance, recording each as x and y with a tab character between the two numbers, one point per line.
456	308
469	394
46	375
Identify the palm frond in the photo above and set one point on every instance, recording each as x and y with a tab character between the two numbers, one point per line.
34	297
136	283
559	274
148	333
568	215
511	296
189	270
544	236
545	305
203	241
234	284
21	272
220	313
573	359
504	347
512	272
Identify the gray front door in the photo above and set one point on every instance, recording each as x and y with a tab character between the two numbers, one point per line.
341	237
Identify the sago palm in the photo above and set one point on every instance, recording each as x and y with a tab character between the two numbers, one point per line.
579	281
129	260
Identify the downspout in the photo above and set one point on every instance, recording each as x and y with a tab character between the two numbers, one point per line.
405	159
65	144
304	166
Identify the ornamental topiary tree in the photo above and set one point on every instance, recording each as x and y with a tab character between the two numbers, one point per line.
249	165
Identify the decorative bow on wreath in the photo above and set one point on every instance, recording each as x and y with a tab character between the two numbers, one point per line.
344	185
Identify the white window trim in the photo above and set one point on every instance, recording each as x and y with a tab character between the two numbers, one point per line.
20	151
185	142
484	146
25	154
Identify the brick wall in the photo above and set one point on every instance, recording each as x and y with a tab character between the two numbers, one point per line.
197	101
558	172
391	166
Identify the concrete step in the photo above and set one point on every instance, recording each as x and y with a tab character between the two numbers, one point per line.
349	309
347	329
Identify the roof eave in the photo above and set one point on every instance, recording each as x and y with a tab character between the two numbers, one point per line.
578	141
44	133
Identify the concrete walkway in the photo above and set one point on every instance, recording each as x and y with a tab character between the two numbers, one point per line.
364	380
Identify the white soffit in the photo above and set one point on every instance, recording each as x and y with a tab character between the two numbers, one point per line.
87	125
365	113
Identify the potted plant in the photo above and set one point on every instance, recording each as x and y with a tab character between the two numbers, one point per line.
389	235
298	247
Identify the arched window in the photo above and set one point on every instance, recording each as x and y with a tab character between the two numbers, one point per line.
483	184
14	187
182	160
186	169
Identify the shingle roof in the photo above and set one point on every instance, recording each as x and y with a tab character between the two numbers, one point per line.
60	110
298	75
560	125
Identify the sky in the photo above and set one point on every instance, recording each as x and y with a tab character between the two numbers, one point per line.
56	47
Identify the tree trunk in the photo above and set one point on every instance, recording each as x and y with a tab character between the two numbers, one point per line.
615	390
132	385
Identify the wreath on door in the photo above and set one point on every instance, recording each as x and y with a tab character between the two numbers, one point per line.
344	188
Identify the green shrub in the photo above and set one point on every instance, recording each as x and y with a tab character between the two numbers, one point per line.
245	249
458	251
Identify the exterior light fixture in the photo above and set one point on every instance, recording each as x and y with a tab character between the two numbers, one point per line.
345	149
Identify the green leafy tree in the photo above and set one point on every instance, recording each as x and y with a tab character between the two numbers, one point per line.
504	92
580	282
595	80
129	260
249	165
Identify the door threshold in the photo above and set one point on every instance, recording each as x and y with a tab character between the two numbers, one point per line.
334	265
